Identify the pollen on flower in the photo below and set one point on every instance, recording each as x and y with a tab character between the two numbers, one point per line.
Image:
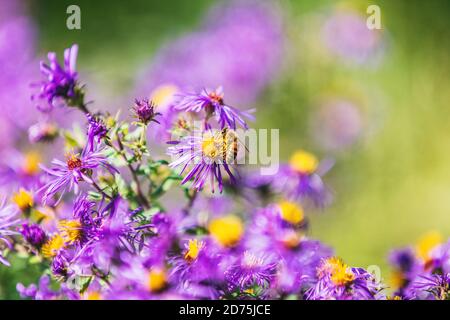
71	231
216	97
93	295
73	161
31	163
156	280
193	250
304	162
210	147
291	212
52	247
339	272
23	199
427	243
227	230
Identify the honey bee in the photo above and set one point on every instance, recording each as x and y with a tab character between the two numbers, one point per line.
230	145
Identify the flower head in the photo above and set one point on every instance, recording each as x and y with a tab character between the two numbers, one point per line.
336	280
33	234
60	82
212	104
69	174
97	130
227	230
209	153
302	178
23	199
53	246
144	110
251	270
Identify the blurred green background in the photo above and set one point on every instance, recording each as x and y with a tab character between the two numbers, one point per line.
390	187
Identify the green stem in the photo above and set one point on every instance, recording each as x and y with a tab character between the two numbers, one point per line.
96	186
141	198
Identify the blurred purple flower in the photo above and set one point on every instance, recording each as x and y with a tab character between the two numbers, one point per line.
346	34
239	47
337	125
8	220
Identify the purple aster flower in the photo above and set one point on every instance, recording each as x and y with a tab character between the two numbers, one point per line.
59	267
431	286
43	291
299	257
8	220
209	153
77	168
337	125
251	270
97	130
346	34
302	179
144	110
33	234
212	104
196	271
339	281
61	81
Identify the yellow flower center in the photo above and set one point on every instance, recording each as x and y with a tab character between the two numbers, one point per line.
71	230
304	162
163	94
341	274
427	243
210	147
51	248
397	279
94	295
249	291
227	230
194	248
73	162
23	199
31	163
291	212
156	280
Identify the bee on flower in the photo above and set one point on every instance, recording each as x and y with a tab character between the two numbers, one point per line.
210	154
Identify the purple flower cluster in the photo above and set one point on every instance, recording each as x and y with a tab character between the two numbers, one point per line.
423	271
108	222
